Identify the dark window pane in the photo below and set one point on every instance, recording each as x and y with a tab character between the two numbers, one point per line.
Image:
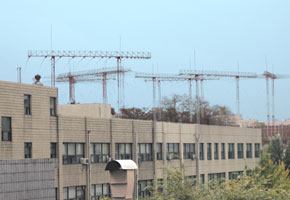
27	150
52	106
6	129
27	104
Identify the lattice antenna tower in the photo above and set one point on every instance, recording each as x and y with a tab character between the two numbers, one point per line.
103	75
118	55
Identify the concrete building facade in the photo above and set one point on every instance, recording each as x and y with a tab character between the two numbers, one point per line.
33	127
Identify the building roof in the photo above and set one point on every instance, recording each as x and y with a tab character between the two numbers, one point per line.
121	165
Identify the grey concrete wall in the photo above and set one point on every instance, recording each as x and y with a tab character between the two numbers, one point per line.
27	179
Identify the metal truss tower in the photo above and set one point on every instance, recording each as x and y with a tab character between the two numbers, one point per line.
103	75
119	55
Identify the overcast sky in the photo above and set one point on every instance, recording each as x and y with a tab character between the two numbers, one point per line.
222	32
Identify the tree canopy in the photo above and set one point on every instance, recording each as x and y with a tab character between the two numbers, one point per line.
177	109
267	181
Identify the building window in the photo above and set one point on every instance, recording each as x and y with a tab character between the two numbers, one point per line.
6	129
216	151
223	151
159	151
172	151
216	176
240	150
27	104
74	193
52	106
202	178
234	175
56	191
100	152
53	150
257	150
145	152
249	150
144	188
201	152
188	151
72	153
208	151
27	150
99	191
192	179
123	151
160	185
231	151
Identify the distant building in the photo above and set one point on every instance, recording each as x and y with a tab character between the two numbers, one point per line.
282	128
81	135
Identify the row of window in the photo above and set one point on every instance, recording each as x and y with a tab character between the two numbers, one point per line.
98	191
231	151
100	152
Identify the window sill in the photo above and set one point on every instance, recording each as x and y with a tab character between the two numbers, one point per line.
71	163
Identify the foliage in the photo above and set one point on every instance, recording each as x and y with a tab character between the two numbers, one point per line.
136	113
275	149
177	109
287	156
268	181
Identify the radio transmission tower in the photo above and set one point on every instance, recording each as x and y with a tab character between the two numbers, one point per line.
270	76
103	75
171	77
118	55
223	74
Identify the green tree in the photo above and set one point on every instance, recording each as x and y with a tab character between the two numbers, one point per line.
270	181
275	149
287	156
136	113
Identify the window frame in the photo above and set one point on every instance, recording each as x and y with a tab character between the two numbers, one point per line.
257	150
27	108
27	149
77	189
216	151
223	151
147	156
102	157
52	106
175	154
53	150
125	155
72	159
144	192
240	150
96	196
249	151
9	132
231	154
188	150
159	151
201	151
209	151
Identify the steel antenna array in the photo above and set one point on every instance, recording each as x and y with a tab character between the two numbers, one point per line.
119	55
103	75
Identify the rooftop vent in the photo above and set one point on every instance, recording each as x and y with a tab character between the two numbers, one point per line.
37	78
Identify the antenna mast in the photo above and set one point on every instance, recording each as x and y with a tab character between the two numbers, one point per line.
119	55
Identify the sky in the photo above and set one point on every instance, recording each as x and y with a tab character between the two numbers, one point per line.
224	34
